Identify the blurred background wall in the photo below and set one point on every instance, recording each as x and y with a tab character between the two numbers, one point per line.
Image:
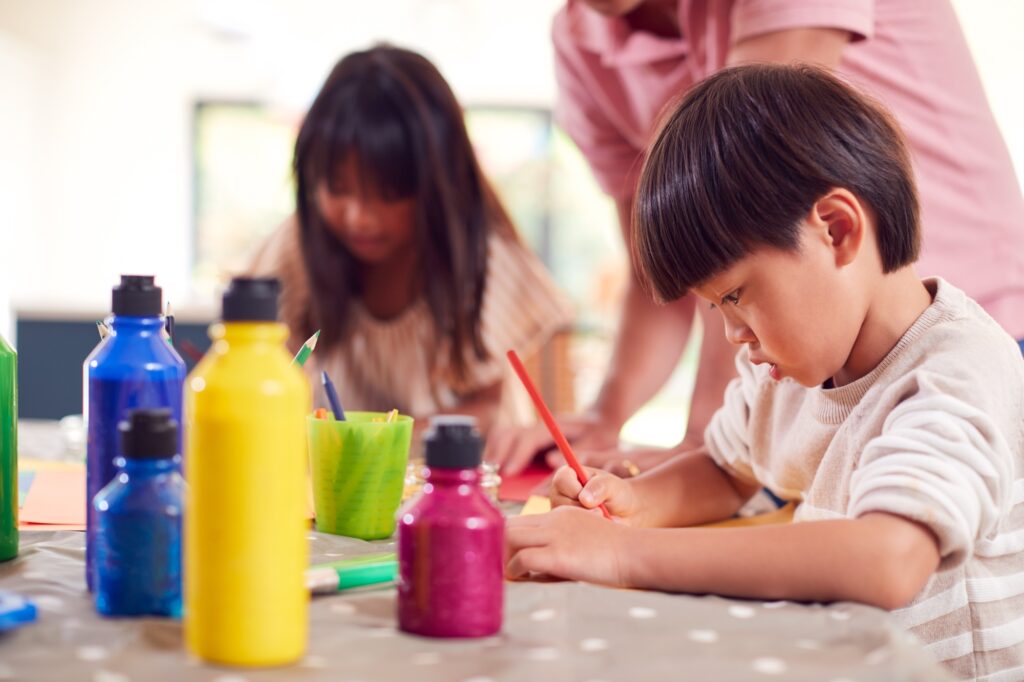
153	136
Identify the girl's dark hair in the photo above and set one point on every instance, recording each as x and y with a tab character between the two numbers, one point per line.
743	156
392	112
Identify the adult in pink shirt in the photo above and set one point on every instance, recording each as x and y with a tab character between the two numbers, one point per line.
618	62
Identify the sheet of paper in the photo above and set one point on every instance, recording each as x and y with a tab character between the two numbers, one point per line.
56	497
536	504
519	488
781	515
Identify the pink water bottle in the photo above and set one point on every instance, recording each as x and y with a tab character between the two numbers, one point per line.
451	581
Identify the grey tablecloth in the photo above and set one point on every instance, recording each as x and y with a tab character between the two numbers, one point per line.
553	631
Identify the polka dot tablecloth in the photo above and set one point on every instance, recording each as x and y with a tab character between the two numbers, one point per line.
553	631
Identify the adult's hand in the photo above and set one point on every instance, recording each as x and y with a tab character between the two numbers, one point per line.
513	448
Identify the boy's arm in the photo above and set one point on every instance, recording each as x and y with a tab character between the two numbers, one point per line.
879	559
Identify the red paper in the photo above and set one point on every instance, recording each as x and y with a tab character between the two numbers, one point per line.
534	479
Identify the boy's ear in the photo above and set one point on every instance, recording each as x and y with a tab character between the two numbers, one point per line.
840	221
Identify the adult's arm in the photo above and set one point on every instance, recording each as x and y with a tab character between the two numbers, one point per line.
651	337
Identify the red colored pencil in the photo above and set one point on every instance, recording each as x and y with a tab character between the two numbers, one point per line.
549	421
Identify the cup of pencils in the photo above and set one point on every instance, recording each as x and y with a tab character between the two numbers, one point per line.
358	468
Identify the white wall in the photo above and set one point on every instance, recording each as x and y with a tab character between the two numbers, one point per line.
19	171
96	97
992	28
96	101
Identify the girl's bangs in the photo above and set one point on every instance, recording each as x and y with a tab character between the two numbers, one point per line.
370	130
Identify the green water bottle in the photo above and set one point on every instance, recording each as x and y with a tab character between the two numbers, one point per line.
8	451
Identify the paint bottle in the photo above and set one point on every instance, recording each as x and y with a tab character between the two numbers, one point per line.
138	521
134	367
246	603
8	451
450	539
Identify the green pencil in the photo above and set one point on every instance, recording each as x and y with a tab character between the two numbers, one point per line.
307	348
374	569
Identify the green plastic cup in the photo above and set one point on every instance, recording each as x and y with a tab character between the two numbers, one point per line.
358	468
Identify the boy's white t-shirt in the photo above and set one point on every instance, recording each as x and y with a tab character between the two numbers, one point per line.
935	433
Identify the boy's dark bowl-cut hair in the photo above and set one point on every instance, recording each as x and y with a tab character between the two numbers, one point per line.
743	156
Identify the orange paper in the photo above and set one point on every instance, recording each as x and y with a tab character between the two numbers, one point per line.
56	497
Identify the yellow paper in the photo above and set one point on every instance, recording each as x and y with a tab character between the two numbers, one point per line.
781	515
536	504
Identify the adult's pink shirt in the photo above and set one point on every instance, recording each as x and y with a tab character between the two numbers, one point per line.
613	83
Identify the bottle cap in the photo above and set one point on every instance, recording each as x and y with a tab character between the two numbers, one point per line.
15	611
251	299
452	442
136	296
149	434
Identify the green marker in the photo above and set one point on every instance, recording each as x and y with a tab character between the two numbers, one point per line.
373	569
307	348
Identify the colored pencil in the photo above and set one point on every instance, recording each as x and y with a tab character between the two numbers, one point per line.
307	348
169	323
190	350
332	397
349	573
549	421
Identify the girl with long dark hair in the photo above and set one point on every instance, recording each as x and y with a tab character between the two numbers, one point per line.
400	252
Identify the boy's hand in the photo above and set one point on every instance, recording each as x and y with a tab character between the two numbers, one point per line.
569	543
602	487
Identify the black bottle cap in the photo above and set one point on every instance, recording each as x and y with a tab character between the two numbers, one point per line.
452	442
251	299
149	434
137	296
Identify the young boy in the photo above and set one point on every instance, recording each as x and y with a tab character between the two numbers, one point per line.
890	407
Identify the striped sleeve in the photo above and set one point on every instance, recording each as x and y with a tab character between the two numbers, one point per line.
943	462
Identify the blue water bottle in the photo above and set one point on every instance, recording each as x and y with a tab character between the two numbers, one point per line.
135	367
138	521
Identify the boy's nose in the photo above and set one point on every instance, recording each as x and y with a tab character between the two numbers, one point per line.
738	333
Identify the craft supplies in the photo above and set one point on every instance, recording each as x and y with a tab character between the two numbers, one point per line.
450	541
307	348
347	574
133	367
138	521
549	421
8	451
245	525
332	396
358	468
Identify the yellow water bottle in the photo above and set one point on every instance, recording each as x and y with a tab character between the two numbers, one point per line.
245	515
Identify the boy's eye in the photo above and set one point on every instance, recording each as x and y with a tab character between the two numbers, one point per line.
733	298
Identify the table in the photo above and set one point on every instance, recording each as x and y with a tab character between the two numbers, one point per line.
558	631
553	631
